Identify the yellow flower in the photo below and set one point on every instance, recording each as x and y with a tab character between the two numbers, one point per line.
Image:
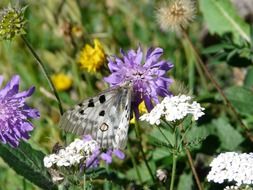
61	81
142	109
91	58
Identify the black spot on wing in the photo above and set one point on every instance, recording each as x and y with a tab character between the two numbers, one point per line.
81	112
80	104
102	99
91	103
102	113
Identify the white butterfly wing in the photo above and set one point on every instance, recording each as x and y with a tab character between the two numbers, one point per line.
105	117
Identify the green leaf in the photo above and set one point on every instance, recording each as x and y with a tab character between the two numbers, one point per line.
248	81
145	176
229	137
241	98
185	182
27	162
160	153
221	17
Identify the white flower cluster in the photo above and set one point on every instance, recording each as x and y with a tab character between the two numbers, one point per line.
233	167
173	108
76	151
235	187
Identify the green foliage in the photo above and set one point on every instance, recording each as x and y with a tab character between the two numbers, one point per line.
185	182
27	162
226	132
221	18
241	98
226	44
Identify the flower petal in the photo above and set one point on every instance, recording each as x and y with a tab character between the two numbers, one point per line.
11	87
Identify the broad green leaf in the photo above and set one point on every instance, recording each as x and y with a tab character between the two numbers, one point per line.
185	182
229	137
241	98
221	17
27	162
160	153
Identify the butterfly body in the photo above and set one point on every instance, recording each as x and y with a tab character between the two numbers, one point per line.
105	117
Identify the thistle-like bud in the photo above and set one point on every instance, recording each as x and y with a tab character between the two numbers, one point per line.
12	23
176	14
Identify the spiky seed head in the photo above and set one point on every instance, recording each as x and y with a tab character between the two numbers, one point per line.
12	22
176	14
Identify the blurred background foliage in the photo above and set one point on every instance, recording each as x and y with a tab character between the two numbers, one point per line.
59	29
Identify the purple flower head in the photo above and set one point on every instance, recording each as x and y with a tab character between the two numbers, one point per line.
149	80
15	113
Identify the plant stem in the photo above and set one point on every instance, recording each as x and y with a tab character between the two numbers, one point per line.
134	162
173	173
24	184
45	72
137	131
216	85
193	168
183	137
84	181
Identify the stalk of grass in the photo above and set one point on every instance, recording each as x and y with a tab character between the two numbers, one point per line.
137	132
134	162
45	72
216	85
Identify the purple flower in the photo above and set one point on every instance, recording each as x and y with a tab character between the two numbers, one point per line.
15	113
149	80
98	155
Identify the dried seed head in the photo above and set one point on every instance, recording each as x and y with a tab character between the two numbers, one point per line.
12	23
176	14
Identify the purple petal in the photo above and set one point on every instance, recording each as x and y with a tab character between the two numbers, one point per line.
153	56
87	138
107	157
11	87
114	79
119	154
138	57
25	94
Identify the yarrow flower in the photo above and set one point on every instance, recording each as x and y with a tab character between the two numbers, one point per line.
12	23
91	58
232	167
62	81
235	187
173	108
81	152
176	14
15	113
149	80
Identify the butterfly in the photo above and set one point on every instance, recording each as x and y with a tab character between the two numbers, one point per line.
105	117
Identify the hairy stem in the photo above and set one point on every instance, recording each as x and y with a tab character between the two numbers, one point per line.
193	168
137	131
134	162
183	137
173	172
216	85
44	71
